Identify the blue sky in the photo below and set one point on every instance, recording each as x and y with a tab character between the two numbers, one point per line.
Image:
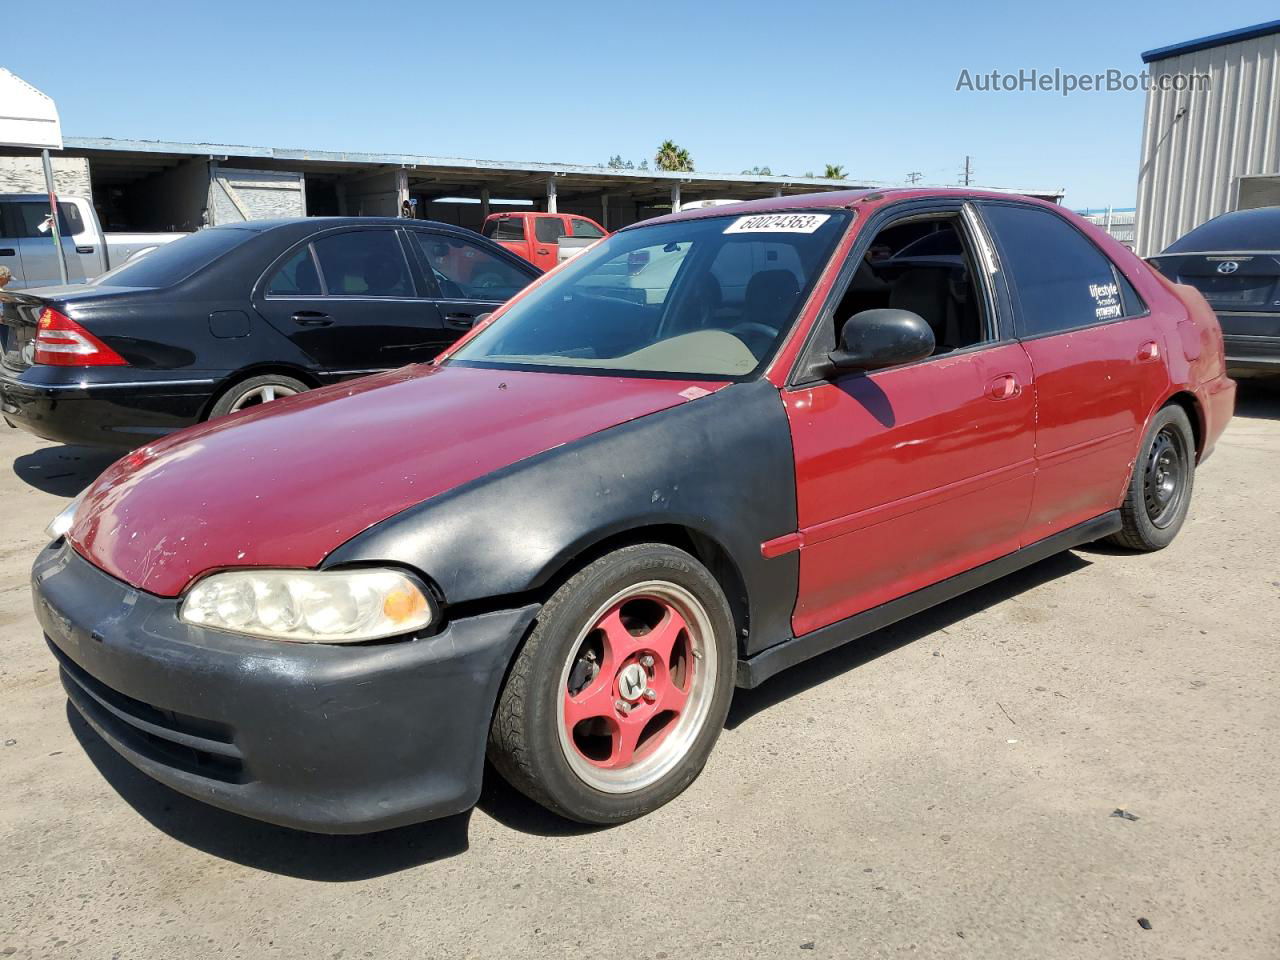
870	86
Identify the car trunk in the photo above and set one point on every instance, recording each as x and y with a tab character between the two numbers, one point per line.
1231	282
20	312
1243	288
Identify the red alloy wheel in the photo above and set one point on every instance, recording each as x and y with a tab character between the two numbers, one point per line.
635	689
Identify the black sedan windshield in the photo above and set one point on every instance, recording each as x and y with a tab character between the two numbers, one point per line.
706	297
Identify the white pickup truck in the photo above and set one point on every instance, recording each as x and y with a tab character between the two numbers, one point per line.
26	241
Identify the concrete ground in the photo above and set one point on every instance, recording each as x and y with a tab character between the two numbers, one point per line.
944	789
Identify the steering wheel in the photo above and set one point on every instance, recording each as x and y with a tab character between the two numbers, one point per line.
757	336
448	288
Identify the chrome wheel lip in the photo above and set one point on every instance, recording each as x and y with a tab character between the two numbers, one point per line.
260	395
677	742
1165	477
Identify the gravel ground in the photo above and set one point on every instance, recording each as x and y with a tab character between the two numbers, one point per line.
943	789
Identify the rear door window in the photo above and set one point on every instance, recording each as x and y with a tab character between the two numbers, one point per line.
363	263
1061	280
72	222
548	229
505	228
585	228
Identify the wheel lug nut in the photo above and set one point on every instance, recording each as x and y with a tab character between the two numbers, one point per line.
650	694
647	662
623	706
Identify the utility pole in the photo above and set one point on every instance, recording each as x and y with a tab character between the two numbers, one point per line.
967	175
914	176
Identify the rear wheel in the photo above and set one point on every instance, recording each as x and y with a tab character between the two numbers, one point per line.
615	700
1159	493
256	391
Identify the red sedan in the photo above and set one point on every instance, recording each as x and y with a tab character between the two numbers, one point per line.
567	540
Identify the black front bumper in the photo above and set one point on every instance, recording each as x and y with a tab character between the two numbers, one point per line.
119	407
326	738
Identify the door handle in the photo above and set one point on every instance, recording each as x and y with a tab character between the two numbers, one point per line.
311	318
464	321
8	252
84	249
1004	387
1149	351
542	250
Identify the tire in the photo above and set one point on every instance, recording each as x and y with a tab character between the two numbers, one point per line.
1159	494
596	720
254	392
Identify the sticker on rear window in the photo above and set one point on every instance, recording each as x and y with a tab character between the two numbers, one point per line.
1106	300
778	223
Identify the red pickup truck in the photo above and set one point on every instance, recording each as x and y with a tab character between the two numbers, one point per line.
544	239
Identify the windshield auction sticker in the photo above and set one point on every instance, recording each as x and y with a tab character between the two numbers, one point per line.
778	223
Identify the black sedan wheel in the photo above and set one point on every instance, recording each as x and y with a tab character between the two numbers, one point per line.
256	391
618	695
1159	493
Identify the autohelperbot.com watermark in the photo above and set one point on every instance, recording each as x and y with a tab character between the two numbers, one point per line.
1065	82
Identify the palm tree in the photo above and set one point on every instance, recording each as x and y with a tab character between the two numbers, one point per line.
835	171
673	158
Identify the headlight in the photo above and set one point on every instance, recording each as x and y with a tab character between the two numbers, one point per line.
327	606
60	524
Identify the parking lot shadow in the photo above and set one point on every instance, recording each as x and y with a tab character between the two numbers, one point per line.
514	810
61	470
1258	399
827	666
263	846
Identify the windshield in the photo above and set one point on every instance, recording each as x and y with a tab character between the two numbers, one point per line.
697	298
173	262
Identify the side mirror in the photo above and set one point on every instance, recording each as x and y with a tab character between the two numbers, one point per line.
874	339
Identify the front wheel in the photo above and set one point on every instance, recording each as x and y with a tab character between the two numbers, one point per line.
618	695
1159	494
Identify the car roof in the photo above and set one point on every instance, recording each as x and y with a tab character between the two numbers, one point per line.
834	200
529	213
261	226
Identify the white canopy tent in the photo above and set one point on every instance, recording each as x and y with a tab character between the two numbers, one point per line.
29	118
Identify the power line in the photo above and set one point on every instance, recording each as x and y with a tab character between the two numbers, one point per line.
914	176
966	175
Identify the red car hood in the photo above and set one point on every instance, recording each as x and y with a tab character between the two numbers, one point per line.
284	484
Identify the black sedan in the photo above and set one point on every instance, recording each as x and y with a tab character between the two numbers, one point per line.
1234	260
234	316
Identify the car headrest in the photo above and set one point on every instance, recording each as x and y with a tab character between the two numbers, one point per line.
771	295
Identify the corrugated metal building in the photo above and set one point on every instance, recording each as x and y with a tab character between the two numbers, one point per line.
1210	145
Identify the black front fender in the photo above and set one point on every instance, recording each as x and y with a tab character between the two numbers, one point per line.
720	466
